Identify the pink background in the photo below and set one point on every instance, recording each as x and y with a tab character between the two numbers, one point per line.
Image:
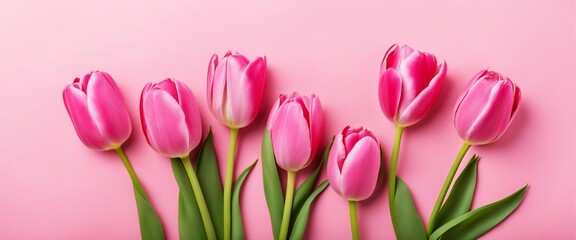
52	187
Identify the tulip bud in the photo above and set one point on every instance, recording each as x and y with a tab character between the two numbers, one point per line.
98	111
295	126
409	83
170	118
235	88
354	163
485	111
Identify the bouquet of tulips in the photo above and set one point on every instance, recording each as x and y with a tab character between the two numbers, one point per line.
410	81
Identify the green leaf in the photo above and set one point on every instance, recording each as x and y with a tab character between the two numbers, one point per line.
272	187
406	221
237	224
209	178
475	223
150	225
306	187
190	225
302	220
460	199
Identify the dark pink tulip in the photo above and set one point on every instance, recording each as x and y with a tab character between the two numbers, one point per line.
486	109
295	126
170	118
235	88
354	163
409	83
98	111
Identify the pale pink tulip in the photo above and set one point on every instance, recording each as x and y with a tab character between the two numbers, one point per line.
485	111
235	88
409	83
170	118
354	163
98	111
295	126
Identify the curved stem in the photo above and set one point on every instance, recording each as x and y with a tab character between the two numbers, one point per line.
393	166
130	170
210	233
352	205
287	205
228	182
446	185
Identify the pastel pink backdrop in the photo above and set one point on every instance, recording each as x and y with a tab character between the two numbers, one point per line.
52	187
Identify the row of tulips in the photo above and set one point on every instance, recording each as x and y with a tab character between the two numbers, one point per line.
208	209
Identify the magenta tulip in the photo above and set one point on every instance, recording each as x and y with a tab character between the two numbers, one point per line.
486	109
170	118
409	83
354	163
98	111
235	88
295	126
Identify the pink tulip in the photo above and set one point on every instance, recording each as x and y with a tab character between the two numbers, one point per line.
354	163
295	126
409	83
170	118
235	88
98	111
486	109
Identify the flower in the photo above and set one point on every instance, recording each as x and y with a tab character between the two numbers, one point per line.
354	163
409	83
295	126
170	118
485	111
235	88
98	111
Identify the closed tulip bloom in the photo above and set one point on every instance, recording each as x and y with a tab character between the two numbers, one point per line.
409	83
98	111
170	118
235	88
354	163
486	109
295	126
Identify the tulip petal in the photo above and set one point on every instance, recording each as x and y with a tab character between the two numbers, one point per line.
391	58
316	123
210	79
245	90
145	90
166	124
218	92
485	112
191	112
389	91
421	105
291	137
360	170
275	106
417	70
336	159
107	107
76	104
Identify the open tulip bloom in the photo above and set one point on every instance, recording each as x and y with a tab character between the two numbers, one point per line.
101	120
172	126
234	91
353	168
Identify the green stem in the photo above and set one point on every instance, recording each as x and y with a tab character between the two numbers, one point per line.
287	205
131	171
353	206
210	233
228	182
446	185
393	166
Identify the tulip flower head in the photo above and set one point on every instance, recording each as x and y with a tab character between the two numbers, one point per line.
485	111
235	88
295	126
170	118
98	111
354	163
409	83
